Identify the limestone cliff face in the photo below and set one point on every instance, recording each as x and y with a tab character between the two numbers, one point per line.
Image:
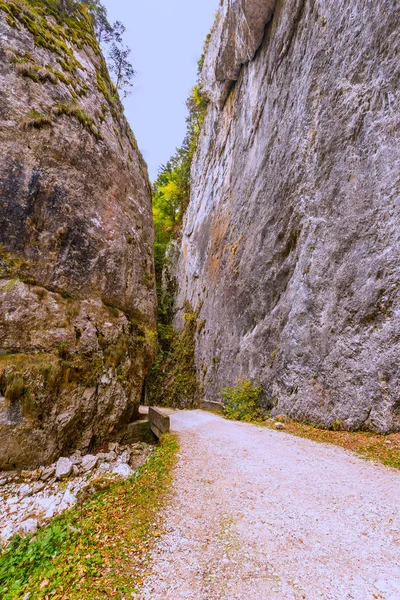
77	299
291	243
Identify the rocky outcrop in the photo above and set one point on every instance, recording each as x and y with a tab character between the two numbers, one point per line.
291	242
77	294
235	38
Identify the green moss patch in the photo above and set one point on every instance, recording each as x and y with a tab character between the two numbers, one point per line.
66	29
74	110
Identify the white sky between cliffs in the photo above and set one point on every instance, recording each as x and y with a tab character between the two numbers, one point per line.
166	38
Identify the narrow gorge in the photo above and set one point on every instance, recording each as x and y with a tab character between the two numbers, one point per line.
200	375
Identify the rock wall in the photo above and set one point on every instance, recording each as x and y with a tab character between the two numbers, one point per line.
291	240
77	297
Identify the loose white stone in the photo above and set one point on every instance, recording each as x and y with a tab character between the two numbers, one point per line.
63	468
89	462
76	458
122	470
48	473
125	457
25	490
28	527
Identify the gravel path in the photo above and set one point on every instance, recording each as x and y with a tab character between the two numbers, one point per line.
262	515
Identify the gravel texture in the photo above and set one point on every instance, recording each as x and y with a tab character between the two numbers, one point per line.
259	514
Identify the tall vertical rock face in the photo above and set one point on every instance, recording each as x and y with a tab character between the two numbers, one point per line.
291	244
77	298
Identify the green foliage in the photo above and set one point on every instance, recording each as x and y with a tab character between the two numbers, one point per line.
121	68
242	402
172	380
75	23
83	553
171	192
72	26
15	388
13	266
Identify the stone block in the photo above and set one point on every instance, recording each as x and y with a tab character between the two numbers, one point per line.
138	431
212	406
159	421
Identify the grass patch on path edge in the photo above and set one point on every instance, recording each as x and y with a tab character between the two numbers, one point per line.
371	446
100	551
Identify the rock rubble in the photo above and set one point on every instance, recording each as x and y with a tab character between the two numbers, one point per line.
30	499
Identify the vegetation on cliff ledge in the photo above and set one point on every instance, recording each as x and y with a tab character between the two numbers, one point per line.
172	381
59	26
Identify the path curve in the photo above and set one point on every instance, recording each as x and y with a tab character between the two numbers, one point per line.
262	515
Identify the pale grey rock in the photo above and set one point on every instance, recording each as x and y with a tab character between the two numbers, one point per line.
110	456
291	239
237	34
38	487
48	472
279	426
68	500
51	506
28	527
76	458
25	490
76	248
88	463
6	533
103	468
122	470
63	468
124	457
107	456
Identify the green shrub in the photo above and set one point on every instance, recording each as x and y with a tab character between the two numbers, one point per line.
242	402
73	110
172	380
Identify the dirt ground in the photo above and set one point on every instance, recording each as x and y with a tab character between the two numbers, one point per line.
258	514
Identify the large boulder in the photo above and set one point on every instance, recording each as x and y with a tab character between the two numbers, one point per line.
77	296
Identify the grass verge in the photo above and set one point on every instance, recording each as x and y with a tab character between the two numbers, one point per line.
100	551
371	446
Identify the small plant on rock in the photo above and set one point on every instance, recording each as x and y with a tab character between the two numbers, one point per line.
36	121
15	388
242	402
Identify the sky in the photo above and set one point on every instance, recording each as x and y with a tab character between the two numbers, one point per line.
166	38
